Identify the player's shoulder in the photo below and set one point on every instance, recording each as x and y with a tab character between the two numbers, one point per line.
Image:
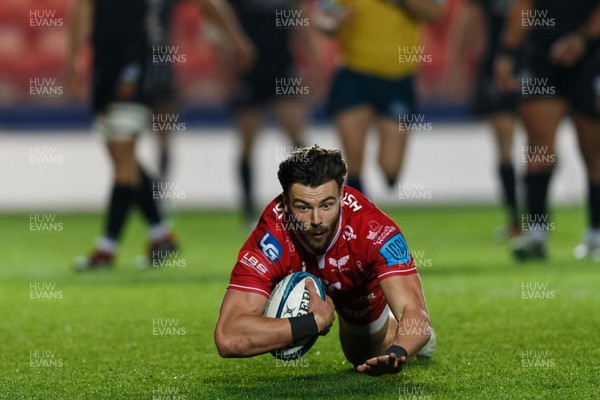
365	221
358	208
268	236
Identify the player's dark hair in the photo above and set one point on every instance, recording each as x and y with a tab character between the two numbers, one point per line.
312	166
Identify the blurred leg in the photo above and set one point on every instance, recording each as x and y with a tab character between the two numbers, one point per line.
163	136
392	147
541	119
503	127
588	133
126	178
291	117
248	122
352	126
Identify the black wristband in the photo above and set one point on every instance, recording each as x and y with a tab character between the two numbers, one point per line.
399	351
304	326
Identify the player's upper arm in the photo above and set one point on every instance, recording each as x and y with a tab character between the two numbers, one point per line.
236	304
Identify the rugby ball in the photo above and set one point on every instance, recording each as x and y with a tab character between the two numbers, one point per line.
290	299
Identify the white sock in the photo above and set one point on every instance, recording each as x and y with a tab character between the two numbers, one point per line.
106	245
158	231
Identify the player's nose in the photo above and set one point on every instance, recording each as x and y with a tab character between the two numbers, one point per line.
315	218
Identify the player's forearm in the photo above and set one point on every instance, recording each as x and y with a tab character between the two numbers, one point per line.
250	336
79	29
514	31
414	330
591	29
222	14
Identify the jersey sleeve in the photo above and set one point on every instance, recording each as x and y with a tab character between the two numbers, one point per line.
393	257
251	273
388	252
259	263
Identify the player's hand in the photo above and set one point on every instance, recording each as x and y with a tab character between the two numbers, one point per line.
504	74
568	50
380	365
322	309
330	21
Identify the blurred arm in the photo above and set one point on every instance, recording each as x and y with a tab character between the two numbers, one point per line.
223	15
463	31
514	32
512	40
78	35
569	49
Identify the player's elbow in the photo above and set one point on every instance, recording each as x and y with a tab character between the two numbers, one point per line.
230	346
225	345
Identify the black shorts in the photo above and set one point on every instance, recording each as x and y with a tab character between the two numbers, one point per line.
578	85
390	97
138	81
489	99
268	80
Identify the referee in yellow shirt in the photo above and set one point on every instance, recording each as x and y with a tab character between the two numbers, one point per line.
379	41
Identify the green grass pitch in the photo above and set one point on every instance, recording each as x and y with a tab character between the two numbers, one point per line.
505	330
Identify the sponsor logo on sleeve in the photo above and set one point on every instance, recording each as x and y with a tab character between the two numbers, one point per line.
395	250
270	247
383	234
374	228
251	260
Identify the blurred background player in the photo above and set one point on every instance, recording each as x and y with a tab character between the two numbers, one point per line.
124	84
560	64
373	86
498	107
159	16
273	30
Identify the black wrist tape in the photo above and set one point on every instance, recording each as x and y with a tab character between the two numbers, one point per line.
304	326
399	351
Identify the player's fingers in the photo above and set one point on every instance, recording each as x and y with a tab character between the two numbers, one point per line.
310	286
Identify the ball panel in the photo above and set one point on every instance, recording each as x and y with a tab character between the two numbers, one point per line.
290	299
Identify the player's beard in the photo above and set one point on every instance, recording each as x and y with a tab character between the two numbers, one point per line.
319	238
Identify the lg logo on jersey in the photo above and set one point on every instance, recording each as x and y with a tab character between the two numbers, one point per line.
270	247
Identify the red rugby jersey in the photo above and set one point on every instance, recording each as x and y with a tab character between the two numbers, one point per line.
367	247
